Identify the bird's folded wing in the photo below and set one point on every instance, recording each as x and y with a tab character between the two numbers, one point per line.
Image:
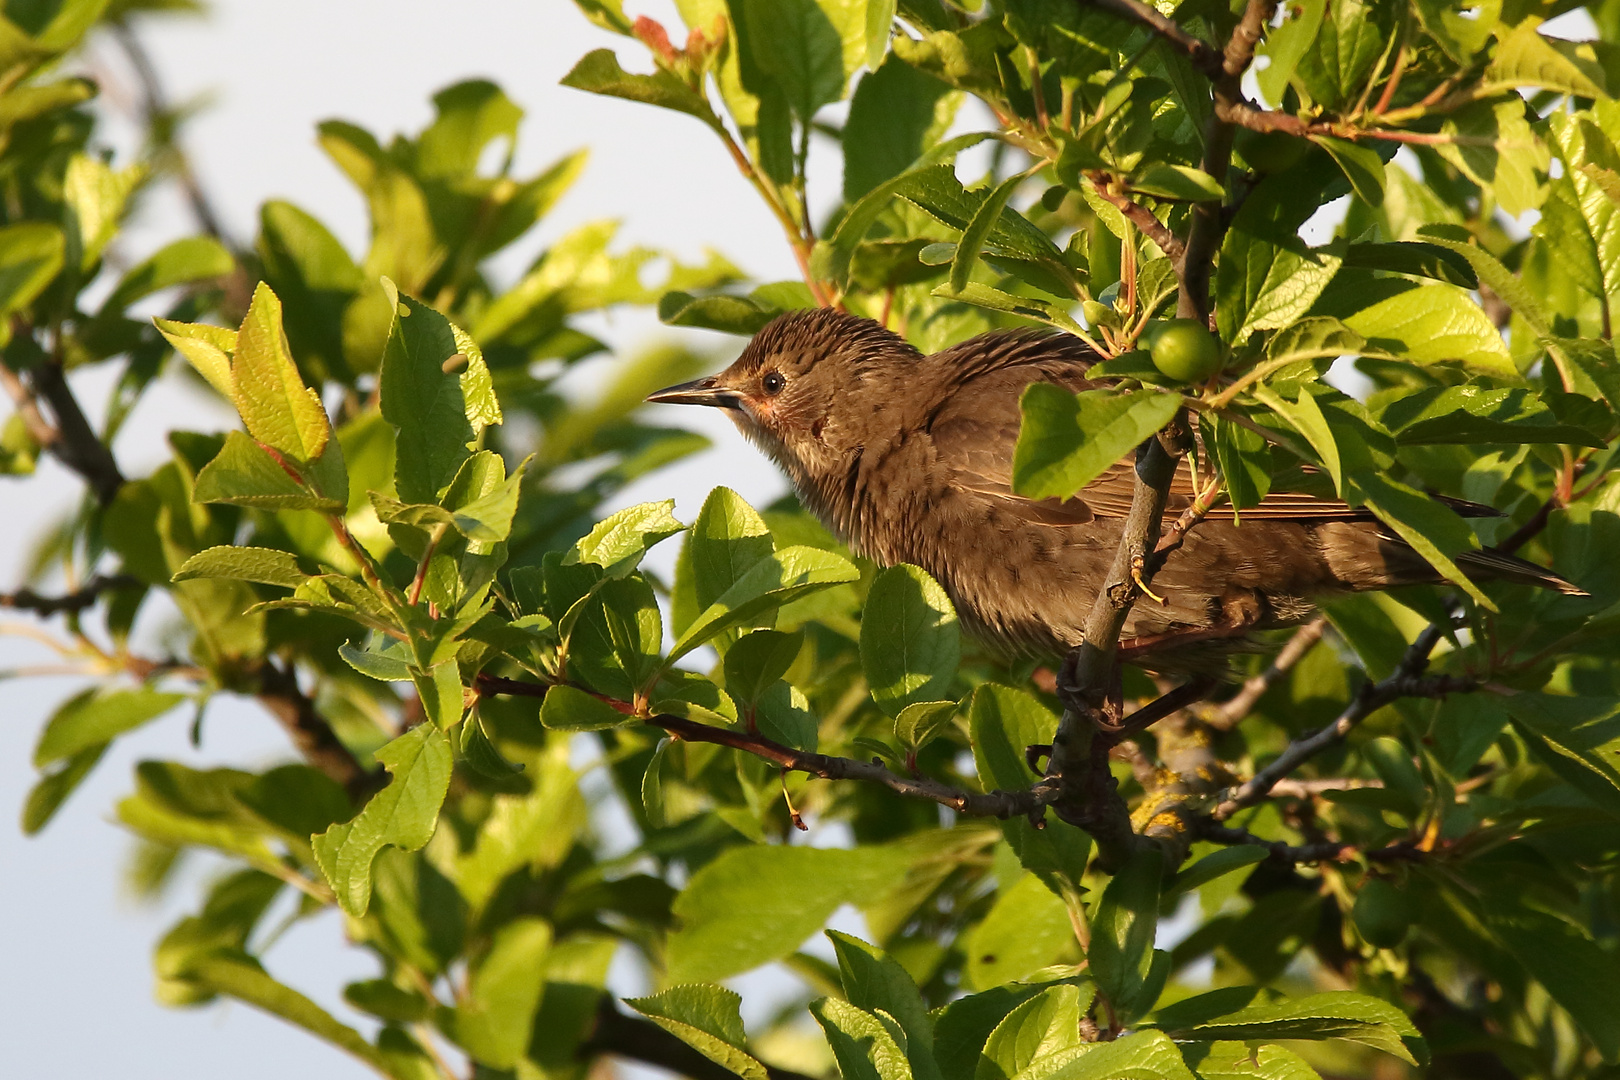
975	431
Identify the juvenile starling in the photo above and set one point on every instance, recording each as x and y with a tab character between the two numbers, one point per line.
908	458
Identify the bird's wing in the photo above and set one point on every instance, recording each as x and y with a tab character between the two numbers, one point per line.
975	430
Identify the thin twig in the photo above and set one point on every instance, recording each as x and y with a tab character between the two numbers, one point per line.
314	738
1323	851
1000	804
1143	219
1227	716
1204	56
1406	681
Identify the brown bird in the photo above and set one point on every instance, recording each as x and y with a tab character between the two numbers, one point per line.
908	458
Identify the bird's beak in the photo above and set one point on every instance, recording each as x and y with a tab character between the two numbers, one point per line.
705	391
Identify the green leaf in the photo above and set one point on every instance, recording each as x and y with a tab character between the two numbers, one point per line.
1413	259
208	348
755	904
1338	1014
263	565
1216	864
1361	165
1266	277
1243	458
1142	1055
897	112
1472	414
482	499
599	73
440	692
962	1027
1004	722
936	190
1236	1061
494	1021
1493	144
758	660
832	258
1027	929
741	315
620	541
798	44
31	255
47	795
1040	311
316	279
535	830
1577	737
244	474
1285	45
768	584
423	401
1501	281
1123	931
865	1047
910	644
568	709
1046	1024
1580	974
91	719
237	975
403	814
1067	440
875	981
919	722
1525	58
1432	528
195	258
978	229
277	408
707	1018
1181	182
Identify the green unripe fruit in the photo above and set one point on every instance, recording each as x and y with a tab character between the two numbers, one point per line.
1183	350
1382	913
1269	151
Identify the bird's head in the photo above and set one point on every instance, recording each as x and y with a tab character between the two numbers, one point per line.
806	389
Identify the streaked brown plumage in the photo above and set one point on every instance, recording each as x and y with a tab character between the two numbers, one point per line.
909	459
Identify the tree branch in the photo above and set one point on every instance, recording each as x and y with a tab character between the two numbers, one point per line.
1323	851
1000	804
1208	222
26	599
1243	702
1143	219
158	116
1406	681
294	710
70	439
1204	56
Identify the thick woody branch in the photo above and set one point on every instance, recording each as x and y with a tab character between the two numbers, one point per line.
313	737
1079	763
635	1039
999	804
1407	680
85	596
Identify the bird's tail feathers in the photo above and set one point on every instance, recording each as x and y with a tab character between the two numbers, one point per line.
1497	566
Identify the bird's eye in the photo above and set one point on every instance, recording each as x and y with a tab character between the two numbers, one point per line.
772	383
